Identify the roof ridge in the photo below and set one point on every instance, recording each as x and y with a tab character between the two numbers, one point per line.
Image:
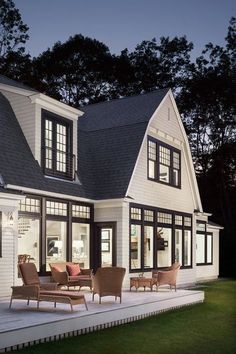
126	97
118	126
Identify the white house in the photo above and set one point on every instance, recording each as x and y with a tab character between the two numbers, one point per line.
110	184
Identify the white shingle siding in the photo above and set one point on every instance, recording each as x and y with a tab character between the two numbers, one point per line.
152	193
25	114
7	261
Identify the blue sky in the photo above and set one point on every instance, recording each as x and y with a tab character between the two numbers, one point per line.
124	23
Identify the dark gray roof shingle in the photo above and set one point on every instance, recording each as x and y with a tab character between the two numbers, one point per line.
110	137
6	81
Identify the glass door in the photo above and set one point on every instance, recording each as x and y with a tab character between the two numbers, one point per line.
104	245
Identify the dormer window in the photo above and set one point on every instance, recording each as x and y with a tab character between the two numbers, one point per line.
57	157
164	163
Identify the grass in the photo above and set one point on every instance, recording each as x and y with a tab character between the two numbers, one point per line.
203	328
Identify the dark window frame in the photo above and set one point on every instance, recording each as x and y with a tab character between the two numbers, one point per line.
70	159
157	224
157	163
205	233
43	216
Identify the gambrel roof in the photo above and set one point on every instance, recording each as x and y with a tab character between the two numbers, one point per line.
110	135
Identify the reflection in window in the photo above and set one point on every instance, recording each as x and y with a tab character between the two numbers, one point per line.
200	253
80	244
187	248
209	249
148	246
55	242
163	247
28	240
178	246
135	246
106	247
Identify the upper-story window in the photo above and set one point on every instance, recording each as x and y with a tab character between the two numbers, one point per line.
57	157
164	163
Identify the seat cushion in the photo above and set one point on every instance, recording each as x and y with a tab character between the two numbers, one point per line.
70	294
73	269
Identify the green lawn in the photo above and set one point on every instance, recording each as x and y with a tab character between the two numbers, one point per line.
203	328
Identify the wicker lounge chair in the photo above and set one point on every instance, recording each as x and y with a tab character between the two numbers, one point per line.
108	282
32	289
167	276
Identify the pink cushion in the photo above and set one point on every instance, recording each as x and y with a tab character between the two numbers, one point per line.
73	269
55	268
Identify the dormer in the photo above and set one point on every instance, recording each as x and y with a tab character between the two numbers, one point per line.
49	126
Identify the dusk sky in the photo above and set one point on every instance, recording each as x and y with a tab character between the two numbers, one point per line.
125	23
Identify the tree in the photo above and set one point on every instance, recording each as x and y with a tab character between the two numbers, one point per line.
13	36
77	72
208	101
161	65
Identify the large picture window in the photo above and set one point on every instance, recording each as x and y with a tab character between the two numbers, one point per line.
164	163
53	230
204	245
159	238
57	158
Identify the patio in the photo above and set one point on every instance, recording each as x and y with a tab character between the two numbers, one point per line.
23	326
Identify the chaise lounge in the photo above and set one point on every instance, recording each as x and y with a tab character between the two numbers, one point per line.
32	289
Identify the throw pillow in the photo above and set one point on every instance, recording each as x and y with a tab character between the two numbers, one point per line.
73	269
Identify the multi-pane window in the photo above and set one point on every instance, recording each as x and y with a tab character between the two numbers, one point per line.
30	205
148	215
135	213
164	218
152	159
159	237
57	158
56	208
164	163
178	220
204	245
80	211
29	231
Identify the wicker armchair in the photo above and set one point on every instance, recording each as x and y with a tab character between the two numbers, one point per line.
167	276
108	282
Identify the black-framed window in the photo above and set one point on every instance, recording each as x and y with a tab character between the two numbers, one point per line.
204	245
0	234
57	156
51	229
164	163
158	238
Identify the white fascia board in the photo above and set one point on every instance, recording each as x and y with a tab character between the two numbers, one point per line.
214	227
11	196
109	203
48	194
53	105
17	90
